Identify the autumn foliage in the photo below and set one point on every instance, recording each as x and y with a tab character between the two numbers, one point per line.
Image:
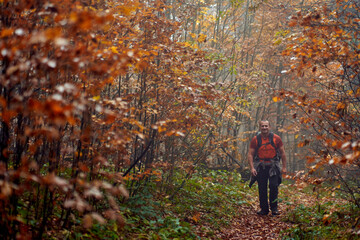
100	98
88	89
324	54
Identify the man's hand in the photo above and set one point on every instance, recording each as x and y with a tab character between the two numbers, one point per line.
253	172
283	170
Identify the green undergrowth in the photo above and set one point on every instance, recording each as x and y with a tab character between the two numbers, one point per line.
209	202
206	202
322	213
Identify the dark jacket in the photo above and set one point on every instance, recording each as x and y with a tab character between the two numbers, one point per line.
274	170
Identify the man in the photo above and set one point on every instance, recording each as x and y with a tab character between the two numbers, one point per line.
264	160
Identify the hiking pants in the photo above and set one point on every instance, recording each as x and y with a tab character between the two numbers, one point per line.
263	178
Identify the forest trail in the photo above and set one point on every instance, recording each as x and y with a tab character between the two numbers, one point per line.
249	225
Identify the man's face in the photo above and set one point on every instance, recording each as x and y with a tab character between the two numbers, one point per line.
264	127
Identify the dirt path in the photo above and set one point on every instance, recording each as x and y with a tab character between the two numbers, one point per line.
249	225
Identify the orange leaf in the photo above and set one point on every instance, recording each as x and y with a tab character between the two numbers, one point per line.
292	23
196	217
276	99
6	32
340	106
7	115
83	167
326	219
310	159
2	102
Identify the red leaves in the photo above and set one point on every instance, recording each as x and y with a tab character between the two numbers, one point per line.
7	115
293	23
68	110
320	55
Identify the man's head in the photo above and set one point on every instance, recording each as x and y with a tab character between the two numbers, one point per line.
264	127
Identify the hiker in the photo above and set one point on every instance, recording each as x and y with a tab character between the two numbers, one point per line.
266	150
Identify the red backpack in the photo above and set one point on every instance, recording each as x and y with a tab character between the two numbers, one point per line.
271	142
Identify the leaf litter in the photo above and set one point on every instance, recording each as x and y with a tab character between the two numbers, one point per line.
249	225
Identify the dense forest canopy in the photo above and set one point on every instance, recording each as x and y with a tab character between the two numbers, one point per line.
101	97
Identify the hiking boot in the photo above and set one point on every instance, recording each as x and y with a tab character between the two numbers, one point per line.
262	213
275	212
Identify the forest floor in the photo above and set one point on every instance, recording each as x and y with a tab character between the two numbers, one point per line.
249	225
217	205
295	202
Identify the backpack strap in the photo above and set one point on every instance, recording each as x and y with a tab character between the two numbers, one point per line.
271	140
259	141
258	138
